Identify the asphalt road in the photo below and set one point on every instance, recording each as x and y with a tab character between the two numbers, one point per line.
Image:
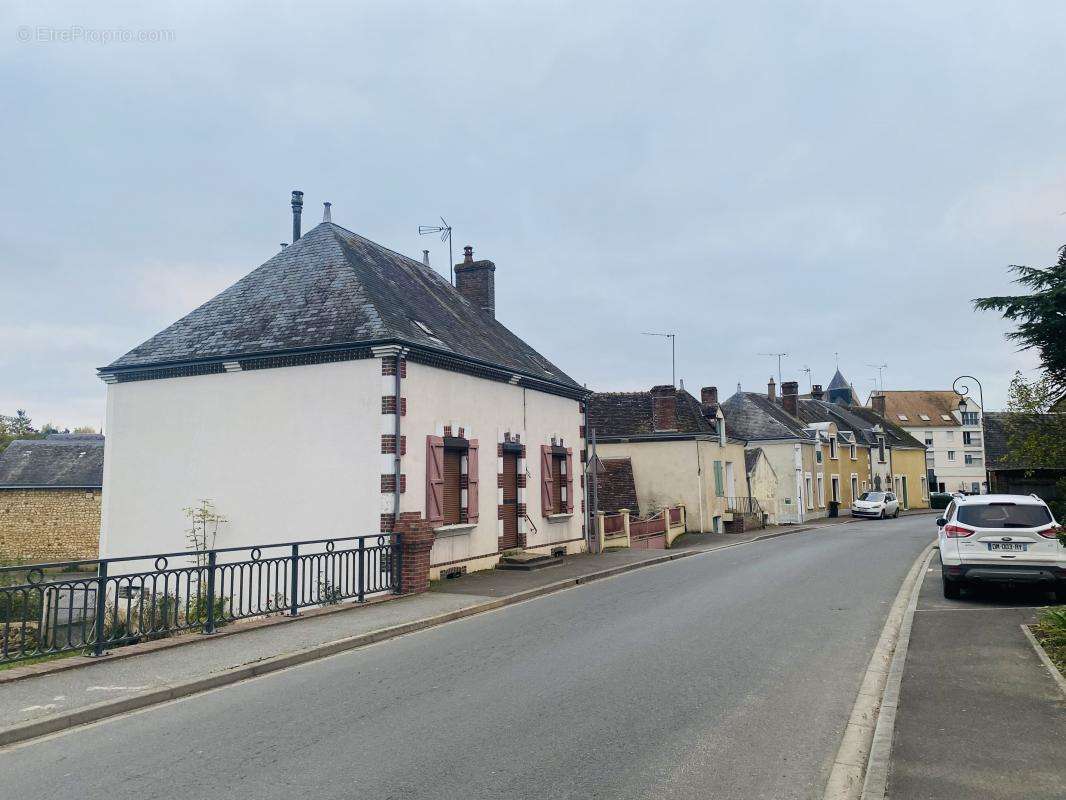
726	675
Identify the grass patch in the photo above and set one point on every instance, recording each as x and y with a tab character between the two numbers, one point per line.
1050	631
37	660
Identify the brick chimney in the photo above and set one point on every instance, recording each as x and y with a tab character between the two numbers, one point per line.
709	395
878	403
476	281
664	408
816	391
790	397
771	389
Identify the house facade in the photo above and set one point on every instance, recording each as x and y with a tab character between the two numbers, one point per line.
949	426
334	387
50	496
903	468
765	422
679	449
845	446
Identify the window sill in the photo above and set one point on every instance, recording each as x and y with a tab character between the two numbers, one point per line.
559	517
445	531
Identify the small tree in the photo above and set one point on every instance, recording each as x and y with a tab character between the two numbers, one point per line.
204	521
1035	436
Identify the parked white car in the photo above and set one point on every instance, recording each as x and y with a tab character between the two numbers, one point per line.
875	504
1001	538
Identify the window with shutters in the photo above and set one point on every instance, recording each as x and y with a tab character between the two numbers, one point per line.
453	493
451	481
559	484
556	480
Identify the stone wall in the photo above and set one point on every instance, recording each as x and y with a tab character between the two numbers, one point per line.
49	524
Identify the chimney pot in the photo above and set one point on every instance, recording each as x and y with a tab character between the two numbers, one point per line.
476	281
297	210
790	397
325	212
816	391
771	389
878	403
425	257
664	408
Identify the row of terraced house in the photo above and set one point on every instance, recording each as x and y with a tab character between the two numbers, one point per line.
343	388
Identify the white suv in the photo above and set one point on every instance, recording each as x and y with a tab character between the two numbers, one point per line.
1001	538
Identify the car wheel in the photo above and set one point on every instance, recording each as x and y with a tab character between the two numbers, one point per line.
896	515
882	514
1060	593
952	589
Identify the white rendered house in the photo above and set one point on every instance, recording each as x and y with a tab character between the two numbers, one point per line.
334	386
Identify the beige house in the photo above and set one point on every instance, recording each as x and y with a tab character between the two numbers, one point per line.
791	447
678	449
50	492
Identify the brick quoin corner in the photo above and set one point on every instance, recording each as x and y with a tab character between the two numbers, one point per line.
415	543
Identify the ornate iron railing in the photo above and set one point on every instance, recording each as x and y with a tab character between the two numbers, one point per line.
55	607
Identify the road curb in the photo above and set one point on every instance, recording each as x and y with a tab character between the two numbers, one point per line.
109	708
1044	658
860	768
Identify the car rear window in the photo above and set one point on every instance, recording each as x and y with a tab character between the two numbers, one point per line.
1004	515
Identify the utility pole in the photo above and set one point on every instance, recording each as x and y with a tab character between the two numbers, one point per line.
673	359
779	356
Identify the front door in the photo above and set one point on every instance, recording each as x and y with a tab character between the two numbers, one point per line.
510	502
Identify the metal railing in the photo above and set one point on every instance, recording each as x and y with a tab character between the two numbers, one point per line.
744	505
45	609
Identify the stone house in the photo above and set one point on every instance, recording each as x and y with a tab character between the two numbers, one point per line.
845	443
679	449
50	495
772	425
334	387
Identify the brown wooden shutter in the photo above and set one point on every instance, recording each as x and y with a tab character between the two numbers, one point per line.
453	498
471	481
569	480
545	480
435	479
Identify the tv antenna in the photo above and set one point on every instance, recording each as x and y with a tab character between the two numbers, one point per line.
673	361
880	374
445	231
778	356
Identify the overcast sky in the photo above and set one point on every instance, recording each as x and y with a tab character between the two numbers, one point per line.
810	177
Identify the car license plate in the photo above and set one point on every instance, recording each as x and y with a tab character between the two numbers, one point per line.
1012	547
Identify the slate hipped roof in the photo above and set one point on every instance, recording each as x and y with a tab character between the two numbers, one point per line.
62	461
628	414
752	416
334	288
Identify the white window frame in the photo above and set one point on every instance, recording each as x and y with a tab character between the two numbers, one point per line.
821	490
808	486
951	455
854	485
833	448
834	487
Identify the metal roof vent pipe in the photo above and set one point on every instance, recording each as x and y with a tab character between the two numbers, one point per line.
325	212
297	210
425	257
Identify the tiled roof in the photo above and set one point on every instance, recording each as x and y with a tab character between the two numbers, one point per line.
331	288
751	459
60	461
626	414
912	404
615	486
1003	428
752	417
895	436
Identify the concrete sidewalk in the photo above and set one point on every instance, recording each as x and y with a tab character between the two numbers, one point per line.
979	715
157	675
